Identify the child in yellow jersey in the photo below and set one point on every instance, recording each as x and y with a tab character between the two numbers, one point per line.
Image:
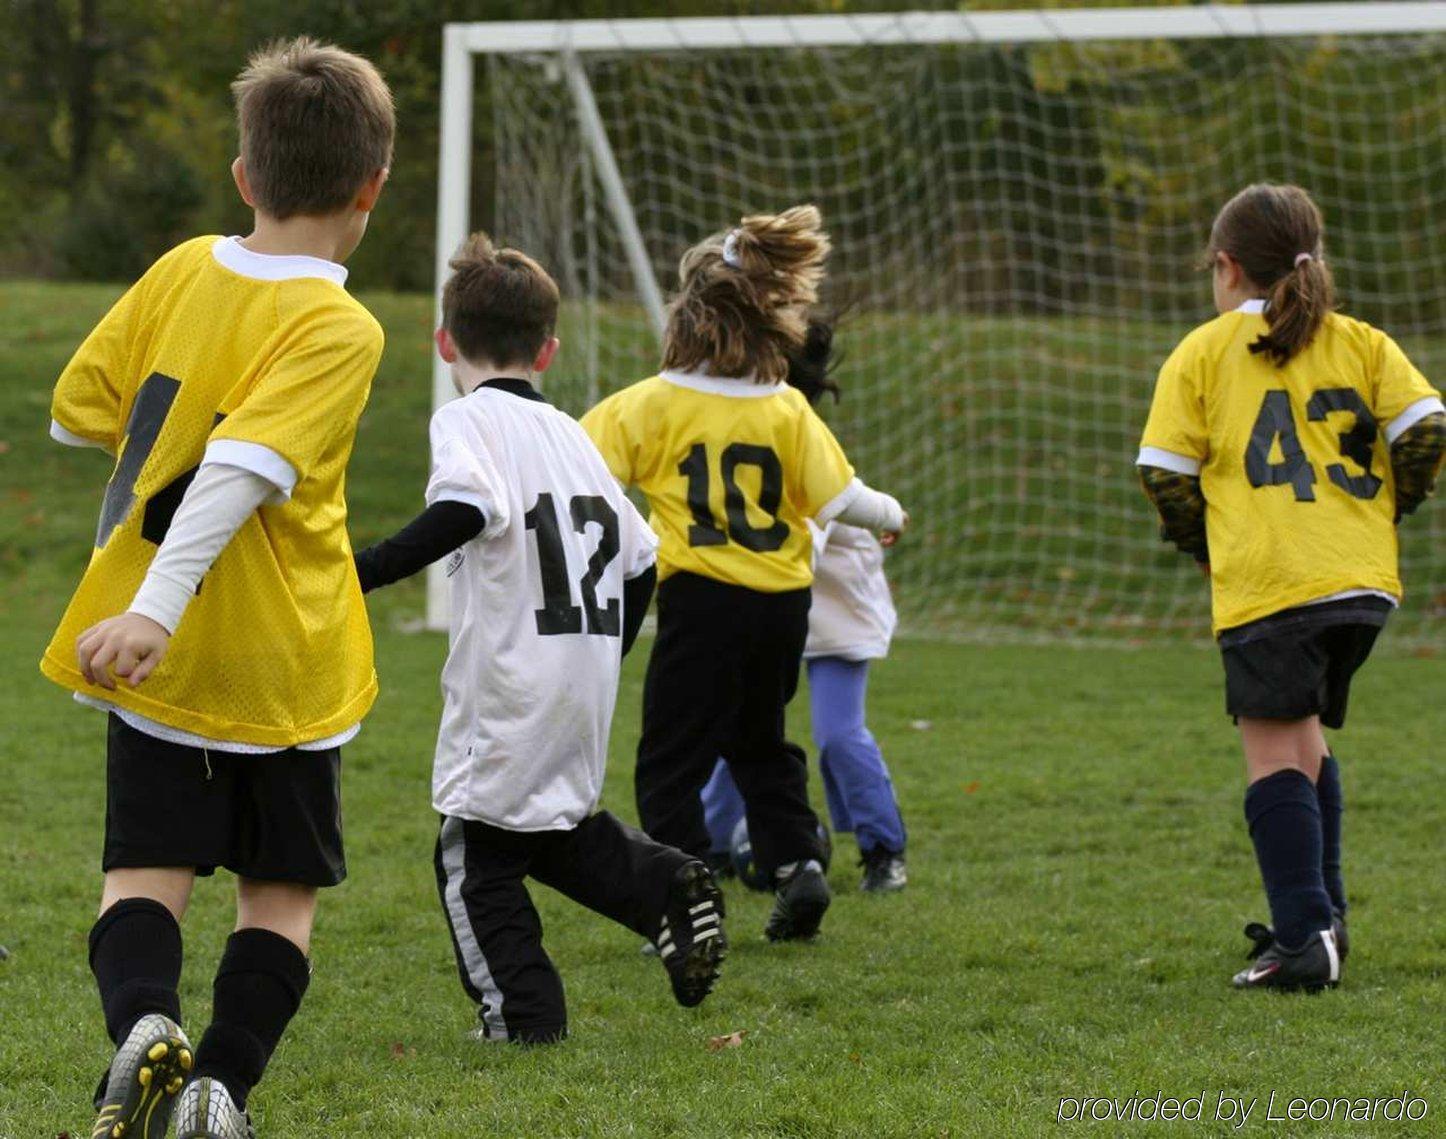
735	463
228	383
1284	444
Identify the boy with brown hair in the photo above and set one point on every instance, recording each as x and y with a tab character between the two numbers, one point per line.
551	575
228	383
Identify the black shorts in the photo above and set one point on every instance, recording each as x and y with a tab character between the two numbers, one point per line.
274	817
1299	663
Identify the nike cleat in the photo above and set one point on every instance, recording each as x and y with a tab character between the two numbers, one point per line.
206	1111
148	1072
1314	966
1262	935
801	899
690	940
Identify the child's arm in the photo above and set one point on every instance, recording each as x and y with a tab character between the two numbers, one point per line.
1416	458
215	506
874	510
637	593
85	408
443	527
1178	500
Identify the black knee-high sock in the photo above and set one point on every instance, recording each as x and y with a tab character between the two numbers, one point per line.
135	954
1285	826
259	985
1332	806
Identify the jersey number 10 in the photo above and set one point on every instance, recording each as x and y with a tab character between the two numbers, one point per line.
1276	421
705	530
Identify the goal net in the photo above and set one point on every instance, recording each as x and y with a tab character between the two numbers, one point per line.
1018	204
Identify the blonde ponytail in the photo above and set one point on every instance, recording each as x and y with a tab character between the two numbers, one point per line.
743	297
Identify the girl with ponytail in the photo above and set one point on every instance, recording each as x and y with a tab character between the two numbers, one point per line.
1284	444
735	463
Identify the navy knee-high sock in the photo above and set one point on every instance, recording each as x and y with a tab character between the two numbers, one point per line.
1285	825
1332	806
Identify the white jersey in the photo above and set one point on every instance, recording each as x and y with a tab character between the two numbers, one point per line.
532	674
853	613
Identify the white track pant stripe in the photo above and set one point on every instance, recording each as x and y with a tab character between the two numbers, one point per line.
454	863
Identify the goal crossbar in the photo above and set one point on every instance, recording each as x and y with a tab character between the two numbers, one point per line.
700	33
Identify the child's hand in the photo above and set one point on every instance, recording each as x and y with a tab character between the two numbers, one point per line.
890	537
133	644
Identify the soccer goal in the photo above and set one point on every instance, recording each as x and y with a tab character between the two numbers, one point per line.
1018	202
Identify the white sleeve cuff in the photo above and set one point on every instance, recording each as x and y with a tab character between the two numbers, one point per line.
71	439
1412	416
839	503
259	460
1168	461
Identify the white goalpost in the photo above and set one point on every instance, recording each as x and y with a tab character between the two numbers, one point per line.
1017	201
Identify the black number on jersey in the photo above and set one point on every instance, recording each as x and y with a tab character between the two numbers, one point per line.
705	530
558	614
153	403
1277	422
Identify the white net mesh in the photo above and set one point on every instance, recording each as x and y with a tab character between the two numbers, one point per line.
1017	233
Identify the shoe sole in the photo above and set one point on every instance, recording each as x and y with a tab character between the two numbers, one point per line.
694	976
803	916
153	1072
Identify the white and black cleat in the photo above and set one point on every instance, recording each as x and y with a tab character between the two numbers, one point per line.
691	942
1316	965
147	1074
206	1111
884	871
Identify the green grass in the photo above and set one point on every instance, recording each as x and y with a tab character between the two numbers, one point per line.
1079	876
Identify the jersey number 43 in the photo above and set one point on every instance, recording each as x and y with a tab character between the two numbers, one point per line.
1277	422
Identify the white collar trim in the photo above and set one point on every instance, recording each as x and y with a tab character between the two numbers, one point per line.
738	388
1254	304
231	254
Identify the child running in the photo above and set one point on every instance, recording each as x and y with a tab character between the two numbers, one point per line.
734	464
851	623
552	573
1284	444
228	383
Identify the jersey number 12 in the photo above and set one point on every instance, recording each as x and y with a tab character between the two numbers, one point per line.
558	614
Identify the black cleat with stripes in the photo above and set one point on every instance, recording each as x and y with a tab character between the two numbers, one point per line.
690	941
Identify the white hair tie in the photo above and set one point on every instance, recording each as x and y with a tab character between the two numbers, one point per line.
730	250
1302	258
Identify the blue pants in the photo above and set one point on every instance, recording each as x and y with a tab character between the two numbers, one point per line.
855	778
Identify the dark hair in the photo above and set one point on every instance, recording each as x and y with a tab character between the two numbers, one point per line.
316	122
1267	228
743	296
499	305
810	366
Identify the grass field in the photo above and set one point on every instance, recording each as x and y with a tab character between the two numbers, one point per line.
1079	872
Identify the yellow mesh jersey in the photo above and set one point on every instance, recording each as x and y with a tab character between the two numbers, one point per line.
731	478
275	648
1294	462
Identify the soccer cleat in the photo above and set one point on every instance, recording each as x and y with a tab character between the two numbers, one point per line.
1262	935
206	1111
1314	966
884	871
800	899
690	939
149	1069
